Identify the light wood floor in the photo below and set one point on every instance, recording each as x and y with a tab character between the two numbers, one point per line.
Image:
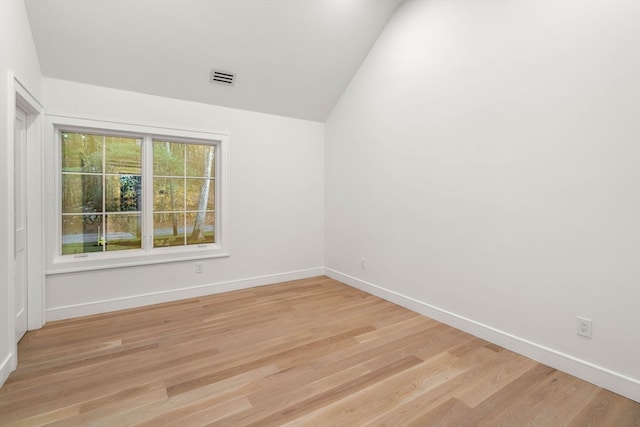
308	352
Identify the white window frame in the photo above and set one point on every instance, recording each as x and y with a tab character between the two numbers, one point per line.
57	263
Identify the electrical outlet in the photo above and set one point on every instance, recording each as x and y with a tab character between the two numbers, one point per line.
584	327
198	267
363	263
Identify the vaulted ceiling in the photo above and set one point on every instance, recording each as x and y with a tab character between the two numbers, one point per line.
291	57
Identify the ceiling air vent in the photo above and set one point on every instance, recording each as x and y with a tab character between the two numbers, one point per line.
222	77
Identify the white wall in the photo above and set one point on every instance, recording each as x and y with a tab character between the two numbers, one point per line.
18	59
485	162
277	202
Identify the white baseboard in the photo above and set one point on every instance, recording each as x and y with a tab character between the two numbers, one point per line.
598	375
7	366
103	306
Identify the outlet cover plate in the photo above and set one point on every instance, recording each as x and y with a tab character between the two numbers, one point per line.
584	327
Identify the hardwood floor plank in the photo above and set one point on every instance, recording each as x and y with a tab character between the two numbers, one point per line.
473	363
608	409
369	403
291	412
212	414
306	352
449	413
90	413
313	347
97	385
81	361
493	380
171	410
530	399
46	418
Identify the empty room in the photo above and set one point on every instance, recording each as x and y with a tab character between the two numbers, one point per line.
320	212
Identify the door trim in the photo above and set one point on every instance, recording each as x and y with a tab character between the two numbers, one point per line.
20	226
35	241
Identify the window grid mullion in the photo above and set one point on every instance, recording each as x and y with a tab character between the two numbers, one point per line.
104	193
147	197
184	197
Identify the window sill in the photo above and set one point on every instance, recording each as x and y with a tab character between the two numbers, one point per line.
102	261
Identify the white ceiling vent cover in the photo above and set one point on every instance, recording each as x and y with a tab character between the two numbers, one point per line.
223	77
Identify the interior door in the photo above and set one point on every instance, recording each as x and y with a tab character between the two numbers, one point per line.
20	221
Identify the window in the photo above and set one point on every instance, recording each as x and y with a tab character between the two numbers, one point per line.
127	195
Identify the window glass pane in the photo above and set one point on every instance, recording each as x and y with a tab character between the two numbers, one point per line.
123	155
81	152
81	234
199	160
200	194
123	193
168	158
123	232
168	229
200	228
81	193
168	194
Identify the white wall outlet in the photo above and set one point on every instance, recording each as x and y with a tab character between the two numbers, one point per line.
584	327
363	264
198	267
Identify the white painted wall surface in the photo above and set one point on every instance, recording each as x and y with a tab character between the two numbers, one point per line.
18	59
485	161
277	202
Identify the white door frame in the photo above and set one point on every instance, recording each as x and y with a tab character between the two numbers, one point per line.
20	235
35	218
